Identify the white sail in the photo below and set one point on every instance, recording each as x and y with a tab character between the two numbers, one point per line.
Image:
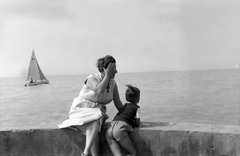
34	70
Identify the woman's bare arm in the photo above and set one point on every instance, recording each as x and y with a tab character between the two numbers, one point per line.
97	87
116	99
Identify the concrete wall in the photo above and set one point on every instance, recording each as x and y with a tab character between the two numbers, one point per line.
151	139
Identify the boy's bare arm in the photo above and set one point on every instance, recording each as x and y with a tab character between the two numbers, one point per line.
137	122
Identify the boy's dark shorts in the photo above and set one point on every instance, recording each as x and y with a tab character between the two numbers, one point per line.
118	130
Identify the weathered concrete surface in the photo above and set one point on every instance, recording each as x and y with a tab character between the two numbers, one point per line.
151	139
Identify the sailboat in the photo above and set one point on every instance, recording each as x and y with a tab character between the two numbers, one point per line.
35	73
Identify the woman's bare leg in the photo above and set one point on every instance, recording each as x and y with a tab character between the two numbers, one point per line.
92	130
95	146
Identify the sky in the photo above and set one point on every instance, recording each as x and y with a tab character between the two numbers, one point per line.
68	36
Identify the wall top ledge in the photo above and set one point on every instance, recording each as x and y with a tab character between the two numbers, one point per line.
192	127
161	126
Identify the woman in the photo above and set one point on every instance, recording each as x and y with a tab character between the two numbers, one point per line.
87	112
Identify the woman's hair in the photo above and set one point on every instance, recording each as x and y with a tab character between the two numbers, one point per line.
102	63
132	94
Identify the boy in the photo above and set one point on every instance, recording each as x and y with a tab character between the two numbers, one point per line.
125	120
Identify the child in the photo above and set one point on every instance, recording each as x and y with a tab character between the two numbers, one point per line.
125	120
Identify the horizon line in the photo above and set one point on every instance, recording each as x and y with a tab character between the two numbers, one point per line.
84	73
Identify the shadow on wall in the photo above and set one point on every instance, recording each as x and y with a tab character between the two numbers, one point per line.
141	146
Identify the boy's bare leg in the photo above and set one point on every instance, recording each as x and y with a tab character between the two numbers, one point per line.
127	144
115	147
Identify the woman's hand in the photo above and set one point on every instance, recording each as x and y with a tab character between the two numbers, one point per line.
110	71
100	87
104	115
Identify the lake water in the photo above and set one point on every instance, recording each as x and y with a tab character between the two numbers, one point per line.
202	96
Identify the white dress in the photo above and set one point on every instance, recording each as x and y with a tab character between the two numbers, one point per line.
88	107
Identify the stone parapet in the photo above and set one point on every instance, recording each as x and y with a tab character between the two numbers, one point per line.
151	139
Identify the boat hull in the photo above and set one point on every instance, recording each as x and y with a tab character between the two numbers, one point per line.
36	83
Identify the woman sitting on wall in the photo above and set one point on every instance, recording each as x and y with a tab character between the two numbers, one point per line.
88	110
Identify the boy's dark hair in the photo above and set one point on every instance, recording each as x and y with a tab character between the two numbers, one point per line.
102	63
132	94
